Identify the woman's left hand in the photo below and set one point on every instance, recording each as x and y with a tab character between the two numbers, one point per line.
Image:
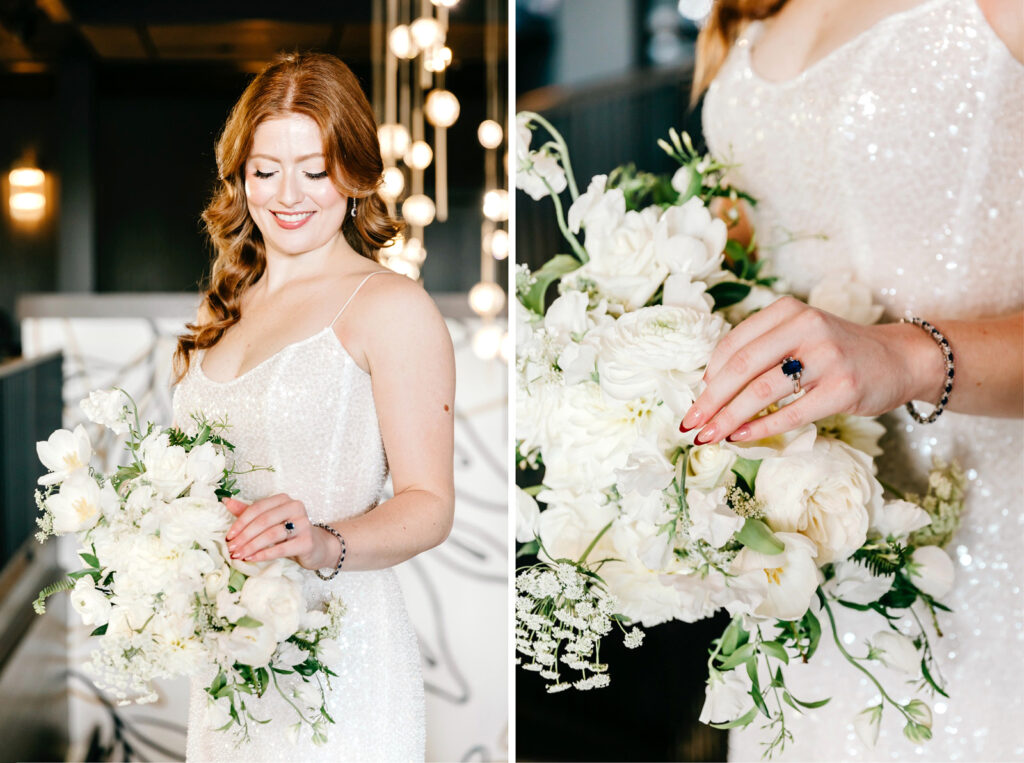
847	368
260	532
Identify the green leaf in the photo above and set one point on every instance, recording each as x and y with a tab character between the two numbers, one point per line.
731	637
528	549
776	650
812	626
552	270
741	655
281	671
247	621
757	536
218	683
236	580
90	559
99	631
743	720
746	469
325	714
928	677
759	703
812	705
728	293
307	668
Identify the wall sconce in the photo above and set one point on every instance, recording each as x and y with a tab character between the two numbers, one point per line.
27	200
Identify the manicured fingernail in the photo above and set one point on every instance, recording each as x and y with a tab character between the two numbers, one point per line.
740	434
690	420
706	435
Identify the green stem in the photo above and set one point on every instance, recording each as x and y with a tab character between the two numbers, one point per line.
853	661
594	543
898	493
277	686
563	149
577	247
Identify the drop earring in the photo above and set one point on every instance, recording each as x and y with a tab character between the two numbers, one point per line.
353	208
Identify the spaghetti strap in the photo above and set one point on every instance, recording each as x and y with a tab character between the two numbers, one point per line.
354	292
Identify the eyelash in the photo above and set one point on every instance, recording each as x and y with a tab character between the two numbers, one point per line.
310	175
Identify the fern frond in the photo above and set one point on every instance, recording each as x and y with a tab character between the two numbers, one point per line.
881	557
39	605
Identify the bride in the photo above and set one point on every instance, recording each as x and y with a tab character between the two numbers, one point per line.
333	371
883	142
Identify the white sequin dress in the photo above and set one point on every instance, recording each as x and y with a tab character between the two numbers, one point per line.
899	158
308	411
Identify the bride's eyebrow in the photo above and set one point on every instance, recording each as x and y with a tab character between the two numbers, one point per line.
275	159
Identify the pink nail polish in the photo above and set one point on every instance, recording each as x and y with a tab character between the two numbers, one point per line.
690	420
740	434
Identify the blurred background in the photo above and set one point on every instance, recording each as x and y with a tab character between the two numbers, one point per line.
613	76
109	112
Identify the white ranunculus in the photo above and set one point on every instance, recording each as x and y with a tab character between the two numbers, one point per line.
92	605
855	583
165	465
860	432
788	579
274	600
932	571
680	291
708	466
897	651
107	407
622	264
658	352
527	513
726	696
897	519
79	503
827	494
839	294
538	172
249	646
689	240
204	464
713	521
216	581
64	453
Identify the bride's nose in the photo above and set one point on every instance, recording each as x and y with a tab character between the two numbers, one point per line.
289	192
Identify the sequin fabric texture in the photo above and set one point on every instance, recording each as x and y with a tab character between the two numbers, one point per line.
308	411
899	158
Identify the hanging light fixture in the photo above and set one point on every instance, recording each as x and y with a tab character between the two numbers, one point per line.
401	42
496	205
496	243
419	155
487	342
490	134
426	33
27	199
394	141
487	298
442	108
437	59
418	210
392	183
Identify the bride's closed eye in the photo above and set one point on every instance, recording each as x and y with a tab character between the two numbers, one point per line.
310	175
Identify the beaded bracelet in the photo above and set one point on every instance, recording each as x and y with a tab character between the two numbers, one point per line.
341	558
947	353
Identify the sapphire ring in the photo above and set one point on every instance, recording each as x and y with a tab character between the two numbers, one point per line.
289	528
794	369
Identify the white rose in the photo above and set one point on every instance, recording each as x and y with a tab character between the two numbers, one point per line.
165	465
860	432
107	407
897	519
840	295
538	168
249	646
787	579
80	503
713	521
931	570
216	581
726	696
204	464
897	651
275	601
622	262
855	583
708	466
658	352
827	494
689	240
527	513
93	606
64	453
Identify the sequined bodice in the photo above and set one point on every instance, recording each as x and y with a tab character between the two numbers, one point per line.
899	158
306	411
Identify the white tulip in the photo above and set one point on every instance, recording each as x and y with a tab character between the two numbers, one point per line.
80	503
64	453
932	571
787	579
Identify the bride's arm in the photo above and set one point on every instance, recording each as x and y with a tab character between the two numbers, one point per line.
408	351
849	368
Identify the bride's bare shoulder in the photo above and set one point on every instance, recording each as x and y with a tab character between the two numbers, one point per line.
1006	17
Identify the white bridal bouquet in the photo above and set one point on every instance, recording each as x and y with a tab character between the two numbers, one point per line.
159	584
634	524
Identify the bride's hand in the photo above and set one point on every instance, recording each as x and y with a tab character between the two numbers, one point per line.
260	532
847	368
